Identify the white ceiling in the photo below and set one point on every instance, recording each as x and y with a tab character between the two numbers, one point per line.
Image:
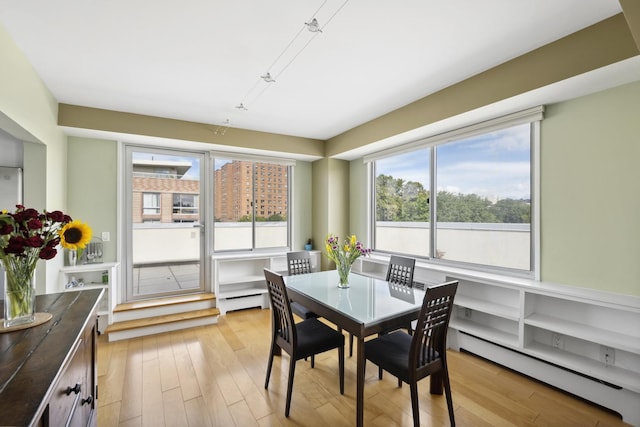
197	60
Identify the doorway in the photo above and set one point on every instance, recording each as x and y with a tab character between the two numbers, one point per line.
165	242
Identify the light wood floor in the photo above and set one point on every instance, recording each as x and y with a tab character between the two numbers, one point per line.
214	376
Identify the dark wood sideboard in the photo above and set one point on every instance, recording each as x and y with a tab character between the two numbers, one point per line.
48	374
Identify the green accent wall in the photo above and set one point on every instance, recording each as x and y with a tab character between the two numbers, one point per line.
590	195
93	188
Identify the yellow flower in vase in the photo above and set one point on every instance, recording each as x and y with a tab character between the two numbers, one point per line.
75	236
344	255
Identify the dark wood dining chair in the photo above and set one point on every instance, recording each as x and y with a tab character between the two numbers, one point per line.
400	270
299	340
411	358
300	263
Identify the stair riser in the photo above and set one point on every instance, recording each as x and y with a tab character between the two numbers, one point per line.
141	313
158	329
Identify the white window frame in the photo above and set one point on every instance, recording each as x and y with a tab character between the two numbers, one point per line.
533	116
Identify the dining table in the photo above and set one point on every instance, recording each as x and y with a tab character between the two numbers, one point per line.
368	306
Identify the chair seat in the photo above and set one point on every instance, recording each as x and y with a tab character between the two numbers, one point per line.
315	337
392	351
302	311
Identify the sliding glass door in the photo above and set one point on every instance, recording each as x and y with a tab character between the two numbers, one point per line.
165	231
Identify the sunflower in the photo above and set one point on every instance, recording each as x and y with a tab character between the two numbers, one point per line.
75	235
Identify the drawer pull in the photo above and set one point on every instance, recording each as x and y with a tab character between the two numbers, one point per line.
75	389
88	400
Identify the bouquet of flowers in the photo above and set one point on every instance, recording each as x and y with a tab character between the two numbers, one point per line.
344	255
26	236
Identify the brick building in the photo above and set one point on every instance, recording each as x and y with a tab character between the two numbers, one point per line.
160	193
233	190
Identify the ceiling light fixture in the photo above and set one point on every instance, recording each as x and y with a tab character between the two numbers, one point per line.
313	26
267	78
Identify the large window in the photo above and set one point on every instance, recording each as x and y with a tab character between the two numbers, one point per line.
464	198
251	204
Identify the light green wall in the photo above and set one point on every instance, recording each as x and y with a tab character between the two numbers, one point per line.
93	188
331	204
302	208
590	199
358	196
29	112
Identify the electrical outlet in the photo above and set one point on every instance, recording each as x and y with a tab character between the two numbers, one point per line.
106	236
557	341
607	355
467	313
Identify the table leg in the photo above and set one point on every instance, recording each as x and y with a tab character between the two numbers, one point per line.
360	383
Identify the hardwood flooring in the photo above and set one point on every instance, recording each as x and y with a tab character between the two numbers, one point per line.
214	376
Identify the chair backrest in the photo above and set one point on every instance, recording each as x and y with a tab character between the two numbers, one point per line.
282	325
401	270
298	262
429	341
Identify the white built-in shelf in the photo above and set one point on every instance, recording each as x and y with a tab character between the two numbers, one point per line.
588	333
238	278
91	275
489	307
479	329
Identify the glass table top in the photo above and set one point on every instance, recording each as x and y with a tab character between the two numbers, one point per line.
367	299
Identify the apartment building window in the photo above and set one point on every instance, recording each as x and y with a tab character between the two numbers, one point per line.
246	219
185	204
464	198
150	203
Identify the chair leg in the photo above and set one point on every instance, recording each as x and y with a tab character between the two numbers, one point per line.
414	403
379	373
269	365
292	370
341	367
447	392
313	361
350	344
399	383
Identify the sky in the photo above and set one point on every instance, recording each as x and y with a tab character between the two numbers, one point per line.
494	165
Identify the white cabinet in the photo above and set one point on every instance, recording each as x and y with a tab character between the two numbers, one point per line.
584	341
86	276
239	278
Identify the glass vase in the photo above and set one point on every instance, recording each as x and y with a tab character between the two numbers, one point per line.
343	274
19	300
72	257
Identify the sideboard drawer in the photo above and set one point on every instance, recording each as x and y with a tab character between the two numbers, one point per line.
71	388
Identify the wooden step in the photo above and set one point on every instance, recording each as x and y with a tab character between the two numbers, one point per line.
181	299
161	320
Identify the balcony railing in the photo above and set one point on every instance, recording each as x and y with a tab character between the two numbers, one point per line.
505	245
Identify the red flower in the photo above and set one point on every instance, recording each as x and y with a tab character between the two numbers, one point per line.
34	241
57	216
15	246
34	224
6	229
47	252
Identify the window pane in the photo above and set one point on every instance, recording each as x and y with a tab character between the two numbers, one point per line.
484	199
150	204
402	203
271	202
246	200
